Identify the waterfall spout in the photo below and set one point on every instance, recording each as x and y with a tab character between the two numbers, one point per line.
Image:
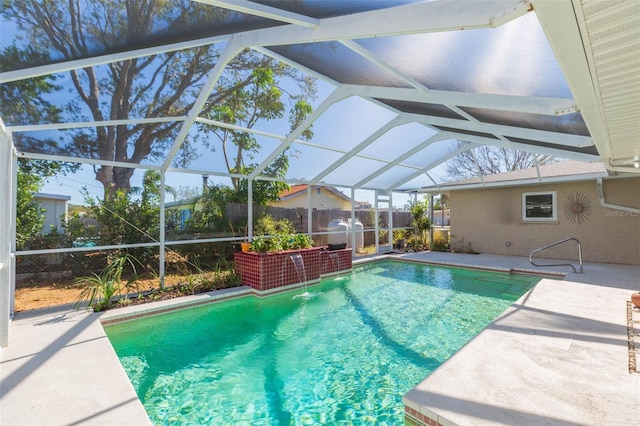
298	263
335	261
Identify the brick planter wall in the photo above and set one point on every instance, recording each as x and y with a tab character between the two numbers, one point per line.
335	261
266	271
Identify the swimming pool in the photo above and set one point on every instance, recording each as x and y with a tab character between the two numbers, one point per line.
347	354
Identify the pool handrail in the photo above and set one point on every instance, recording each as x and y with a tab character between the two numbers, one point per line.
559	264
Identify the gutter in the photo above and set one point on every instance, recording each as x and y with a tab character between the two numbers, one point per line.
603	203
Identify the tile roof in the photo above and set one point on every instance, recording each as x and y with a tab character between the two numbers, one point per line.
294	189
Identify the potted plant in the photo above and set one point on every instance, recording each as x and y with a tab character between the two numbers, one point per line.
245	245
399	238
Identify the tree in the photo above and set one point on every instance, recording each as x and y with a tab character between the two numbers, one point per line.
420	220
124	219
212	212
29	218
442	204
246	105
158	86
25	102
491	160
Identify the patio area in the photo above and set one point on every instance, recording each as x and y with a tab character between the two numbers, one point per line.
559	355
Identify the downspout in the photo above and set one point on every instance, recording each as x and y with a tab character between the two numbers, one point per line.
603	203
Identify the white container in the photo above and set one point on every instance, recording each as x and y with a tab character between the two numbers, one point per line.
339	232
358	228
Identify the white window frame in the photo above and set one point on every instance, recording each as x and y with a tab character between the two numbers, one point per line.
554	207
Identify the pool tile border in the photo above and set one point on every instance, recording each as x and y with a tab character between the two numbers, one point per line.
129	313
528	271
164	306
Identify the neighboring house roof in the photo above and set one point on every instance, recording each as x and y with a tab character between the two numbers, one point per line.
298	190
185	202
46	196
568	170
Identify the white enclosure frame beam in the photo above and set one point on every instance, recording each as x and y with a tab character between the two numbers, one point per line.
355	47
8	187
92	161
524	104
103	123
230	52
395	122
542	150
41	71
407	19
465	147
401	158
561	139
335	96
558	20
264	11
416	18
162	231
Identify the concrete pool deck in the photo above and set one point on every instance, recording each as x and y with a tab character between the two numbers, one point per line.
558	356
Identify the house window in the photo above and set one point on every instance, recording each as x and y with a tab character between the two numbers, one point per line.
539	206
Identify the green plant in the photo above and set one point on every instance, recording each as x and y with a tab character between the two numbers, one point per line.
260	245
192	285
420	221
281	242
382	236
459	246
439	242
103	287
267	225
399	234
301	241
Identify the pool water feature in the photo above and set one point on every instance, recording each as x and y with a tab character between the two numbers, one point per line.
347	355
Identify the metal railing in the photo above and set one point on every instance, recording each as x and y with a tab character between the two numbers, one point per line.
559	264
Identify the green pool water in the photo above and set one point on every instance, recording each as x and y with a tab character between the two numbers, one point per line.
343	355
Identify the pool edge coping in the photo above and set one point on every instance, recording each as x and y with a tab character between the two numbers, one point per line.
129	313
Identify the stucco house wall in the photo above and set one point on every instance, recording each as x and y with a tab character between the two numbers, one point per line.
491	221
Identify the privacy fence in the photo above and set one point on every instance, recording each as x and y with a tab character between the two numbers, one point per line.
187	250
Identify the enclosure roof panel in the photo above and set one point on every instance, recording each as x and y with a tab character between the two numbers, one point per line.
552	78
568	170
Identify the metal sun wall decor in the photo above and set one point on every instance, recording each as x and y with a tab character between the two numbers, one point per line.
577	208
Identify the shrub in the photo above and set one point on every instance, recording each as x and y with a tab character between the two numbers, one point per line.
103	287
439	242
267	225
281	242
459	246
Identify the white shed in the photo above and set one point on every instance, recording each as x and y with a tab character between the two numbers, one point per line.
56	209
